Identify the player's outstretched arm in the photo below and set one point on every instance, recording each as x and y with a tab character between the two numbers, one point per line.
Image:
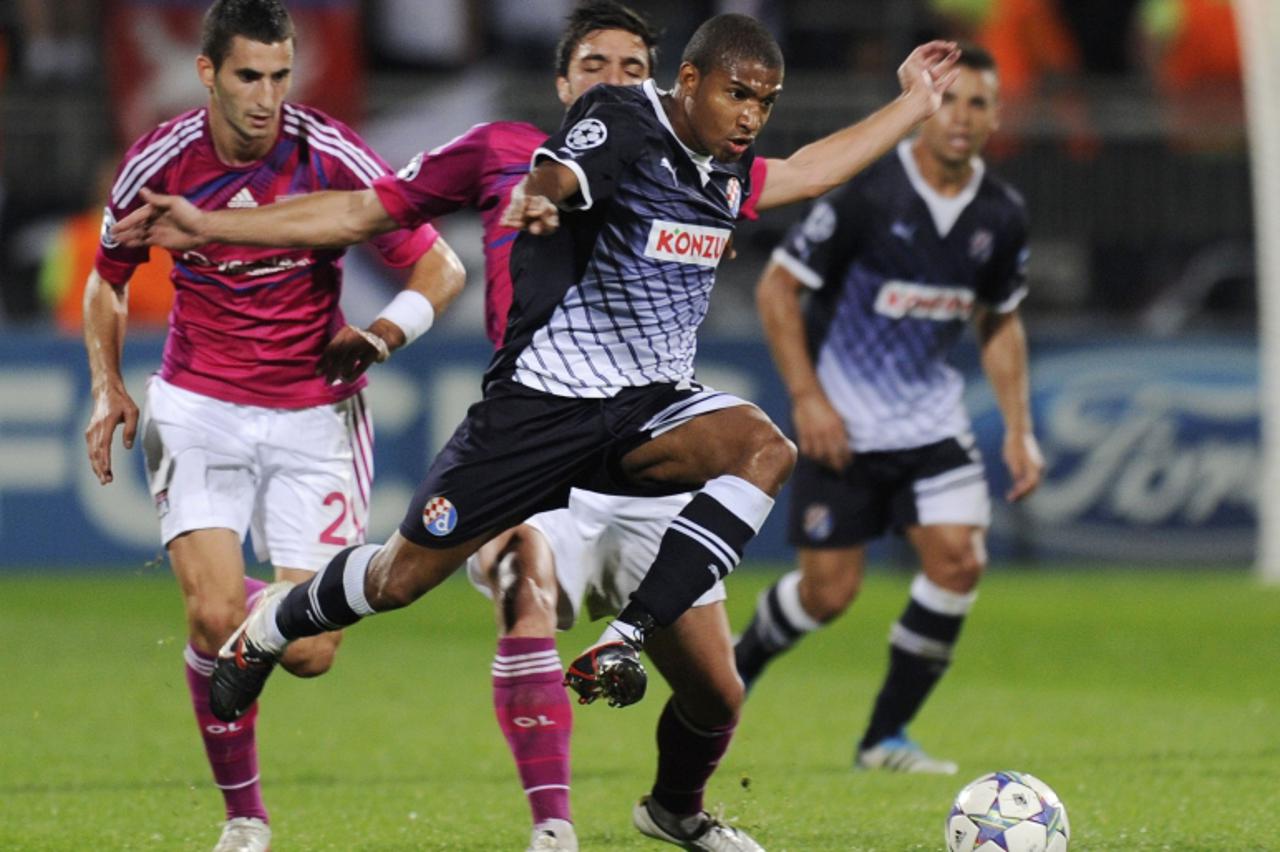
533	202
1003	342
333	219
105	315
436	280
823	165
820	432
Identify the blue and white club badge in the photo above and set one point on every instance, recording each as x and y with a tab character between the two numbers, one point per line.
818	523
586	134
439	517
981	245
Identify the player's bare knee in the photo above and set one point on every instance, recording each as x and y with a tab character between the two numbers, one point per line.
827	598
782	454
525	584
829	602
528	607
959	573
211	622
771	455
715	705
732	696
531	559
537	596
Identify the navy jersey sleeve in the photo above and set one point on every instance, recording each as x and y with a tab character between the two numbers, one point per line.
1005	285
816	248
600	138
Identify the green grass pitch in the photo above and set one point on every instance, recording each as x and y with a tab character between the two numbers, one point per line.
1149	700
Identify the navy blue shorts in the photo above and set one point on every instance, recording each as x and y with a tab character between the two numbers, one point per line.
519	451
940	483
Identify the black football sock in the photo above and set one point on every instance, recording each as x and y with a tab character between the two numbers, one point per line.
700	547
332	599
920	646
779	622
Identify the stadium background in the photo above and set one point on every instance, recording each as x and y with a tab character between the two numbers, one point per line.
1123	125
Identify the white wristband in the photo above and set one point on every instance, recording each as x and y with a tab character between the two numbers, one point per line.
411	312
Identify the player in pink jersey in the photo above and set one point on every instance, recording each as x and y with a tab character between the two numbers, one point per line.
256	418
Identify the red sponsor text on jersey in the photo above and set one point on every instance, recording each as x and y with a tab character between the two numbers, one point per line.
682	243
899	299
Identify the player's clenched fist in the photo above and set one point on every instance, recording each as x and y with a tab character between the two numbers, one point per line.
533	213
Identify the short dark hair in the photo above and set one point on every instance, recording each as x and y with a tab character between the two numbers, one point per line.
726	39
976	57
603	15
265	21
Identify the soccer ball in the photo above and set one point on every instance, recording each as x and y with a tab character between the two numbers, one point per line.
1007	812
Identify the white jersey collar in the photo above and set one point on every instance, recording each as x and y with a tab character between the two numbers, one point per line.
944	209
701	161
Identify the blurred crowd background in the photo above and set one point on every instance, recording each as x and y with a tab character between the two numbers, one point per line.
1123	126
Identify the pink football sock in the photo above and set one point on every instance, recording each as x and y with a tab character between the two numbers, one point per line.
230	746
534	713
252	589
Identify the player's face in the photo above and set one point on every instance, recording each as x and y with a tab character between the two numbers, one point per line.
728	106
612	57
248	91
959	130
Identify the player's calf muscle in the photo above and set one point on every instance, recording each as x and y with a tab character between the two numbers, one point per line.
313	656
401	572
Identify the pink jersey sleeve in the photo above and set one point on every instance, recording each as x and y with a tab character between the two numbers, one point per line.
356	166
475	171
438	182
759	172
146	163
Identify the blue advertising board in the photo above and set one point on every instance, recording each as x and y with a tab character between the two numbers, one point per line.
53	511
1152	448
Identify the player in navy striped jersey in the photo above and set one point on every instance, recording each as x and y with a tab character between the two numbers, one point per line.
593	387
897	263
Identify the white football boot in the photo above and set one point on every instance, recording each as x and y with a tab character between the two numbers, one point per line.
899	754
707	834
553	835
244	834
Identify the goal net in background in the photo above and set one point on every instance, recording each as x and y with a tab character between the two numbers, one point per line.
1259	26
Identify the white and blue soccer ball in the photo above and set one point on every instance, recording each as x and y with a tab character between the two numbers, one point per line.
1007	812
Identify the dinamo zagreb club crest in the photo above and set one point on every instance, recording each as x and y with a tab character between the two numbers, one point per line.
818	523
733	195
439	517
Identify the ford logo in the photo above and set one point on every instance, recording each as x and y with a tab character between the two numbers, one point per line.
1152	452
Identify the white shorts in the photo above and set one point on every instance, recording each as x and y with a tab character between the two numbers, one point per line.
603	546
296	479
